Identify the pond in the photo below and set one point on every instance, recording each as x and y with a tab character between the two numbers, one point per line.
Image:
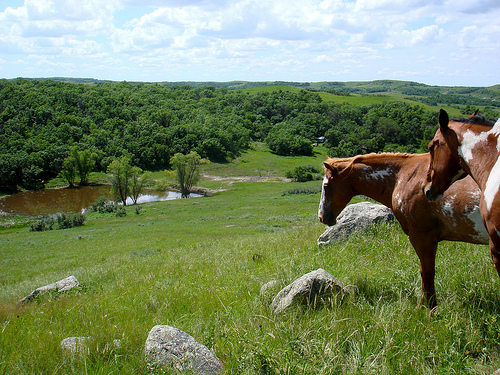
52	201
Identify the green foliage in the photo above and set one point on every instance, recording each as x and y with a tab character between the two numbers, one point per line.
69	170
43	224
41	122
138	181
283	142
120	172
64	221
84	163
103	205
127	180
188	170
120	211
310	190
302	173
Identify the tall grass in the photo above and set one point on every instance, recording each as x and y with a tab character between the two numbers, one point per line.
192	264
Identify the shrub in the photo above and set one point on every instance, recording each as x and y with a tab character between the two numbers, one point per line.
104	205
303	191
64	221
45	223
302	173
120	211
69	221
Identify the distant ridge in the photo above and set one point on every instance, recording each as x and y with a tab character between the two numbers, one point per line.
420	92
321	85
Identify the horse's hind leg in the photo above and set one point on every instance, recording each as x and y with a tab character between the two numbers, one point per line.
426	251
495	251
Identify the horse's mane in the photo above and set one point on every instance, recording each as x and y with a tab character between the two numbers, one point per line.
478	119
359	158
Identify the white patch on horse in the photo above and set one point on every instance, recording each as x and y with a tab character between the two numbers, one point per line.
322	202
399	200
449	210
493	182
492	185
473	213
469	142
379	174
496	130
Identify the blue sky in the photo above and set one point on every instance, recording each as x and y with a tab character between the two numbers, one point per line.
437	42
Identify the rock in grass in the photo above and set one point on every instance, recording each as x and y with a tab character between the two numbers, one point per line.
355	217
312	289
76	345
61	286
170	348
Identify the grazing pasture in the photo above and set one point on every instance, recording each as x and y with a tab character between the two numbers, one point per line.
190	264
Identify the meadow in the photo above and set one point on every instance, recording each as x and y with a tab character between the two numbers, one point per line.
192	264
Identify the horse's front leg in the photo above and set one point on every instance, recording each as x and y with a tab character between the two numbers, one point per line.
426	251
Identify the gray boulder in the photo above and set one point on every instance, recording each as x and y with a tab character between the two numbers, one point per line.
61	286
76	345
312	289
355	217
169	347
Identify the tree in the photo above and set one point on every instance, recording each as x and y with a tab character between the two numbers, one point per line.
120	172
127	180
84	164
68	171
284	142
138	182
187	167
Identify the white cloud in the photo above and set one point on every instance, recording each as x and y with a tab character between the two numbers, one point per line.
480	37
255	37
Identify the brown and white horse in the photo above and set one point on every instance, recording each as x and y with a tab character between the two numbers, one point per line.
471	146
395	180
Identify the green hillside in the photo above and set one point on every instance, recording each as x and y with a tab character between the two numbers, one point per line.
198	265
42	122
452	98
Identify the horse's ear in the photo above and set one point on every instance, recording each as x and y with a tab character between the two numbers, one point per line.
443	119
328	167
475	113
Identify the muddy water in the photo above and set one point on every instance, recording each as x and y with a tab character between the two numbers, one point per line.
52	201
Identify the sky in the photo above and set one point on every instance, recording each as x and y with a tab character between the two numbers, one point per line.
436	42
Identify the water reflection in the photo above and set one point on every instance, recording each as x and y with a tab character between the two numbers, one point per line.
52	201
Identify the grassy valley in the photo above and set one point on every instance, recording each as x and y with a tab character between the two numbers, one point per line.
191	264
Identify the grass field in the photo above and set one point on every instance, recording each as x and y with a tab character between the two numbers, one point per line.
358	99
190	264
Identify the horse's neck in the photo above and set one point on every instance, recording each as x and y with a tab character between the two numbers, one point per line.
376	178
482	157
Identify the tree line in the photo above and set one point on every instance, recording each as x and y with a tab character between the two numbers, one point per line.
49	127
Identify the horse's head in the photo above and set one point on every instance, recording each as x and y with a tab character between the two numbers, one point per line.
445	167
336	192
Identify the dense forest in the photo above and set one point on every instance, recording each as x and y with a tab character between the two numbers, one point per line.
42	121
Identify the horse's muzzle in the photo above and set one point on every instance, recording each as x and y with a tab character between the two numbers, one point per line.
430	193
327	219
